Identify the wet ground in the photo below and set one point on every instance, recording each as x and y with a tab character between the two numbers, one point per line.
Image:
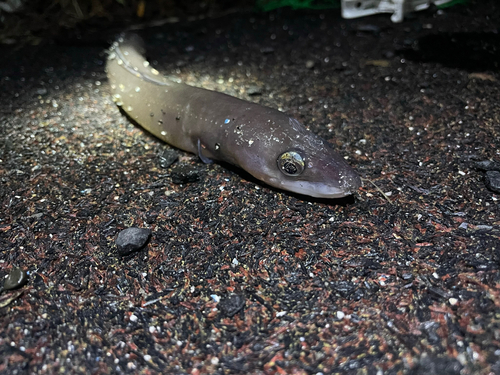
236	276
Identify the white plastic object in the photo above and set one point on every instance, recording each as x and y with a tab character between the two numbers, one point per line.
398	8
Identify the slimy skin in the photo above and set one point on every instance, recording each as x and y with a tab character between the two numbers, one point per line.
266	143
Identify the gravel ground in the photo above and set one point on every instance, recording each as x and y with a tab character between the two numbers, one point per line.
236	276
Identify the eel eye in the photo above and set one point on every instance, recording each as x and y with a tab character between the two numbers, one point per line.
291	163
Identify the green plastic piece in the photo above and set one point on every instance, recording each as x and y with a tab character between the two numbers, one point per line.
451	3
267	5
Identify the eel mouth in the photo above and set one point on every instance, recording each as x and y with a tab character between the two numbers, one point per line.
347	185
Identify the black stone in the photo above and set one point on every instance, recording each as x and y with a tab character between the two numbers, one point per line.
231	305
492	180
488	165
184	175
167	158
131	239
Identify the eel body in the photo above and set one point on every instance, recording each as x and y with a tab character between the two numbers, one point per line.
265	142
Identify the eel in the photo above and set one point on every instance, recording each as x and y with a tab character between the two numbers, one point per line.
265	142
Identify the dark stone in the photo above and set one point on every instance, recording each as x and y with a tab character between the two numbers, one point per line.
488	165
16	278
492	180
151	217
257	347
131	239
231	305
167	158
184	175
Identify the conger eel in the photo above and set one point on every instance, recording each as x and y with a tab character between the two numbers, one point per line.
265	142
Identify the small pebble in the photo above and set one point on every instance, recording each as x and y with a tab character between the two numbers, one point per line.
16	278
267	50
488	165
309	64
231	305
167	158
483	227
131	239
407	276
254	90
368	28
184	174
492	181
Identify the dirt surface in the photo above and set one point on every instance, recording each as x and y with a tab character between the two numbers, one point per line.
238	277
